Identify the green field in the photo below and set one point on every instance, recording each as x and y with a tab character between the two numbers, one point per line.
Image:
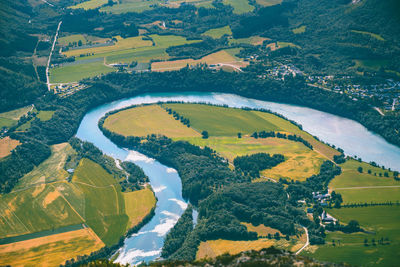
239	6
268	2
91	4
43	115
381	222
218	32
300	29
221	121
253	40
10	118
372	64
358	187
64	41
74	73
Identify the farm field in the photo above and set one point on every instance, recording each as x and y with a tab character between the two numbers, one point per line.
144	120
7	145
74	38
10	118
382	221
253	40
138	204
74	73
50	250
223	57
357	187
239	6
268	2
300	29
374	35
218	32
91	4
43	115
51	170
372	64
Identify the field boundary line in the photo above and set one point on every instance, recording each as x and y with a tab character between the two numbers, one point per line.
69	203
367	187
26	228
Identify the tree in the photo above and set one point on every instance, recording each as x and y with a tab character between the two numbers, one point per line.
204	134
239	135
360	169
80	43
366	242
277	236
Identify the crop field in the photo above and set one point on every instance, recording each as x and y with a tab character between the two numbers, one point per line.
138	204
221	121
381	222
74	73
300	161
239	6
268	2
104	202
71	39
7	145
300	29
358	187
50	250
253	40
91	4
141	121
223	57
50	170
218	32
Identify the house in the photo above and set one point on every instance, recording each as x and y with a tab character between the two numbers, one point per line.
326	218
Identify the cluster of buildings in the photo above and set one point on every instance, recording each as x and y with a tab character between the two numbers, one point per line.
279	72
66	89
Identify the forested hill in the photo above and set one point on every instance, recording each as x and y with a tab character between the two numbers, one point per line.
19	83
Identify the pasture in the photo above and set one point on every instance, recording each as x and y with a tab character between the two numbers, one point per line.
91	4
74	38
358	187
145	120
138	205
268	2
50	170
217	33
222	121
239	6
372	64
74	73
253	40
7	145
382	222
43	115
301	29
50	250
10	118
220	57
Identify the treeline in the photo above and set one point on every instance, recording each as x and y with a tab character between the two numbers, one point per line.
370	204
178	117
253	164
176	237
136	177
291	137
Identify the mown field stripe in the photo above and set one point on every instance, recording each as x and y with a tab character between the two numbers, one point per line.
60	230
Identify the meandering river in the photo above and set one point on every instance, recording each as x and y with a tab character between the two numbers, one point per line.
146	245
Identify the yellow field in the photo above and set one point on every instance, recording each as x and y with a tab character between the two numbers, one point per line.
50	250
253	40
7	145
138	204
261	229
222	56
141	121
122	44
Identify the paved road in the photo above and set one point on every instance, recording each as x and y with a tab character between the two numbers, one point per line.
51	53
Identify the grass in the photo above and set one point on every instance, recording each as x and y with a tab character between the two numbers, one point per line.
7	145
64	41
138	204
10	118
301	29
74	73
380	221
217	33
239	6
50	250
104	202
91	4
351	178
141	121
372	64
261	229
221	121
268	2
43	115
223	56
253	40
373	35
300	163
130	6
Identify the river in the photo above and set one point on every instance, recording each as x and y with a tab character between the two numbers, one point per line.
146	245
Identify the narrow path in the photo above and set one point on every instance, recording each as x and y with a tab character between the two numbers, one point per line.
379	111
367	187
51	53
230	65
83	220
306	244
